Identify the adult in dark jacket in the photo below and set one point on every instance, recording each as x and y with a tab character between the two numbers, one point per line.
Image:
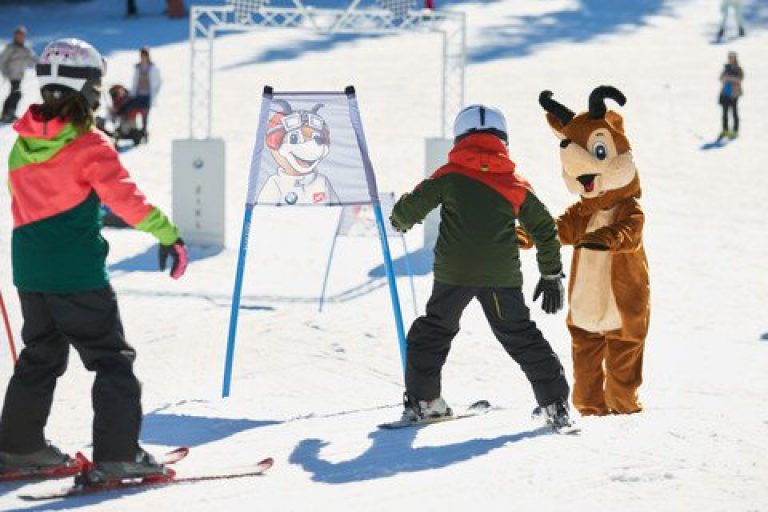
476	256
15	58
730	92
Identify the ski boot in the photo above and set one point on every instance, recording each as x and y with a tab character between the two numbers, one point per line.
45	458
556	416
720	34
48	462
144	468
415	411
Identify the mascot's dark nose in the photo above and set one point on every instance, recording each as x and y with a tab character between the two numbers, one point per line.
564	143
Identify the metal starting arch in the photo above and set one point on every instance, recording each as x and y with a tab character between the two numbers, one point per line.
359	17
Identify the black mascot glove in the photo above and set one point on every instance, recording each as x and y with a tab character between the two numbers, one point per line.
554	294
178	255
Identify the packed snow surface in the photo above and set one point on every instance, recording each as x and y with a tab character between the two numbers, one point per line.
309	388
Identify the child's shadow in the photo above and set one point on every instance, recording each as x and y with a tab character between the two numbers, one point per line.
393	452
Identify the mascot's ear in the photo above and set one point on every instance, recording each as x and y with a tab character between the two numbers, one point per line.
556	125
615	120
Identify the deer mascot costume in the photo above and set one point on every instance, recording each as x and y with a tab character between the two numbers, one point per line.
609	291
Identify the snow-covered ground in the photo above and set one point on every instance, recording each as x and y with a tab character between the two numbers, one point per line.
310	388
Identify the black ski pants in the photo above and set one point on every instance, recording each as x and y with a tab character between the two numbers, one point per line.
12	101
90	322
430	336
732	105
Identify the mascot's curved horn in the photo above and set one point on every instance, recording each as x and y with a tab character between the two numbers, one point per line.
560	111
597	99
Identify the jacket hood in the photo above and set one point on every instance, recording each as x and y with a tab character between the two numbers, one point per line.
39	140
482	152
32	125
484	158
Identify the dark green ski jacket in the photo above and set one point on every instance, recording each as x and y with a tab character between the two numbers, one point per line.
482	200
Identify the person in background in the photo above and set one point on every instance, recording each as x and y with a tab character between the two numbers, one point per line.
15	58
146	83
730	92
725	8
175	8
130	9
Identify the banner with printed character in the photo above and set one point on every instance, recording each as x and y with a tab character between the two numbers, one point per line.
309	153
310	150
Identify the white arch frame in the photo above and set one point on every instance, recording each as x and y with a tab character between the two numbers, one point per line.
207	21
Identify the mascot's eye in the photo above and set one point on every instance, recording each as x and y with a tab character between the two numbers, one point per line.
294	138
601	153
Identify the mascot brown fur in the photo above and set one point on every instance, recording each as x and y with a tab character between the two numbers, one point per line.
609	291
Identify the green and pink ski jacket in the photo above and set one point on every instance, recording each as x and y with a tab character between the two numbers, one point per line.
58	180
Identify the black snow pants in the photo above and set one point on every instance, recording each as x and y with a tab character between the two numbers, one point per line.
732	105
430	336
89	321
12	101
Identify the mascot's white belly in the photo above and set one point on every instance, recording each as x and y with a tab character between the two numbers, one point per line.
593	304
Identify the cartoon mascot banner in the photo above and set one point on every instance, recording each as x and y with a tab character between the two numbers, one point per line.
310	150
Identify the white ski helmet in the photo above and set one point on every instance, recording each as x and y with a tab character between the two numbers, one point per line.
480	119
72	64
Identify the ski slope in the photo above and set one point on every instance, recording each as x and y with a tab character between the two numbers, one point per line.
310	388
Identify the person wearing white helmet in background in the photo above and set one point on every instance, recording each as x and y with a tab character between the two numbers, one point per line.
477	257
60	170
15	58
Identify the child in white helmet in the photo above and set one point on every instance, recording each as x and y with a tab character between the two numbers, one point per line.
60	170
477	257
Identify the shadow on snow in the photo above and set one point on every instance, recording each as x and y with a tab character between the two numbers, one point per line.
102	24
148	262
392	453
184	430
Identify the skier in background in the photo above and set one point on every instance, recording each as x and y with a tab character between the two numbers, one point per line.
730	92
477	256
60	169
130	9
15	58
725	8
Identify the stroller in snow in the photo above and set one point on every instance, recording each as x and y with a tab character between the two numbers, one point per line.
128	115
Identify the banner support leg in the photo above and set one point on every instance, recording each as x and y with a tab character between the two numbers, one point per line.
409	269
330	259
392	283
236	301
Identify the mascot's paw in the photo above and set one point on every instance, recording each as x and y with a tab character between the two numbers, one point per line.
594	242
524	240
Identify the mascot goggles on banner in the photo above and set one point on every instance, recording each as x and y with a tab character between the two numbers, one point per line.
296	120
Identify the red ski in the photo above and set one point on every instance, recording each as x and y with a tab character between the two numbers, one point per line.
72	468
157	481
